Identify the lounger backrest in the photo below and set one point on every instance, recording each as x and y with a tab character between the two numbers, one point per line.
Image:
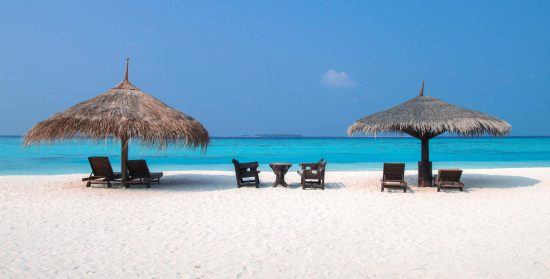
236	164
138	168
450	175
322	166
394	171
101	166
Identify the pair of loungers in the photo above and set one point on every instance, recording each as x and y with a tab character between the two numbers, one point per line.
138	173
312	174
393	177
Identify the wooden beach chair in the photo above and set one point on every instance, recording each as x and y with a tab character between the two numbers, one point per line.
102	172
247	174
448	179
313	174
139	173
393	177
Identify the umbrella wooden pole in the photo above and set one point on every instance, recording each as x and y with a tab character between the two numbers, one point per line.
425	150
425	166
124	160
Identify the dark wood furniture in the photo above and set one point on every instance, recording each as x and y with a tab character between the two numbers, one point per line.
449	179
393	177
313	174
280	169
138	173
247	174
102	172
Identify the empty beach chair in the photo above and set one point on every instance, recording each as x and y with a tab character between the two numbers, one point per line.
313	174
247	174
449	179
102	172
393	176
139	173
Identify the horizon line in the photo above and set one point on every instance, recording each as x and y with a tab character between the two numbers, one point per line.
350	137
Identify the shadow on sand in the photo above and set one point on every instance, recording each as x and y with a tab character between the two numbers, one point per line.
497	181
197	182
328	185
215	182
486	181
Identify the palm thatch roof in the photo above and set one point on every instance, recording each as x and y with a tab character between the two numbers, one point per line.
428	116
123	112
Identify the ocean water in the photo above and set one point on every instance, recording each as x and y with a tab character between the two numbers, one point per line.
341	153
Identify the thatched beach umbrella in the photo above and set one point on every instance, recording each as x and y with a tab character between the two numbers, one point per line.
123	113
426	117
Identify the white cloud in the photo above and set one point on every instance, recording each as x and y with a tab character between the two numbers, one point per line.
333	78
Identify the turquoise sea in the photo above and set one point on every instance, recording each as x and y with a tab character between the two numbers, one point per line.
341	153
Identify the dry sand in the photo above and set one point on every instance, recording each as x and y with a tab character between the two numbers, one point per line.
196	224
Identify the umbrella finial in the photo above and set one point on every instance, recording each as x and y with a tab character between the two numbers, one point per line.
126	84
421	89
126	73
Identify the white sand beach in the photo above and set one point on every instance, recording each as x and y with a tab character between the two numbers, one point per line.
197	224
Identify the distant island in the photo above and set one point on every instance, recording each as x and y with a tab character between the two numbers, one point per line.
273	136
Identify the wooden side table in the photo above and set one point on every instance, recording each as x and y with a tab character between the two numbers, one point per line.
280	169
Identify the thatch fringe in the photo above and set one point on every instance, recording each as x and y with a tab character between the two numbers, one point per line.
425	115
123	112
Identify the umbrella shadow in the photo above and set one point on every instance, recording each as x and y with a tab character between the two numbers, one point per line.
484	181
196	182
487	181
214	182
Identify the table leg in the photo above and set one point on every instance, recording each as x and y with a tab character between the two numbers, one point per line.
279	180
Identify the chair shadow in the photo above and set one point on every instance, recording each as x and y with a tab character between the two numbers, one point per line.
328	185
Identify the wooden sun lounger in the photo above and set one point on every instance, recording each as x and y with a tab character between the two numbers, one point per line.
139	173
313	174
247	174
393	177
448	179
102	172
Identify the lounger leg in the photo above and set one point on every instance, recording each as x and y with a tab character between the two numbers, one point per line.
405	189
88	184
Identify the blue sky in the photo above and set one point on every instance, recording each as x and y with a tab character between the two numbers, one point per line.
251	67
